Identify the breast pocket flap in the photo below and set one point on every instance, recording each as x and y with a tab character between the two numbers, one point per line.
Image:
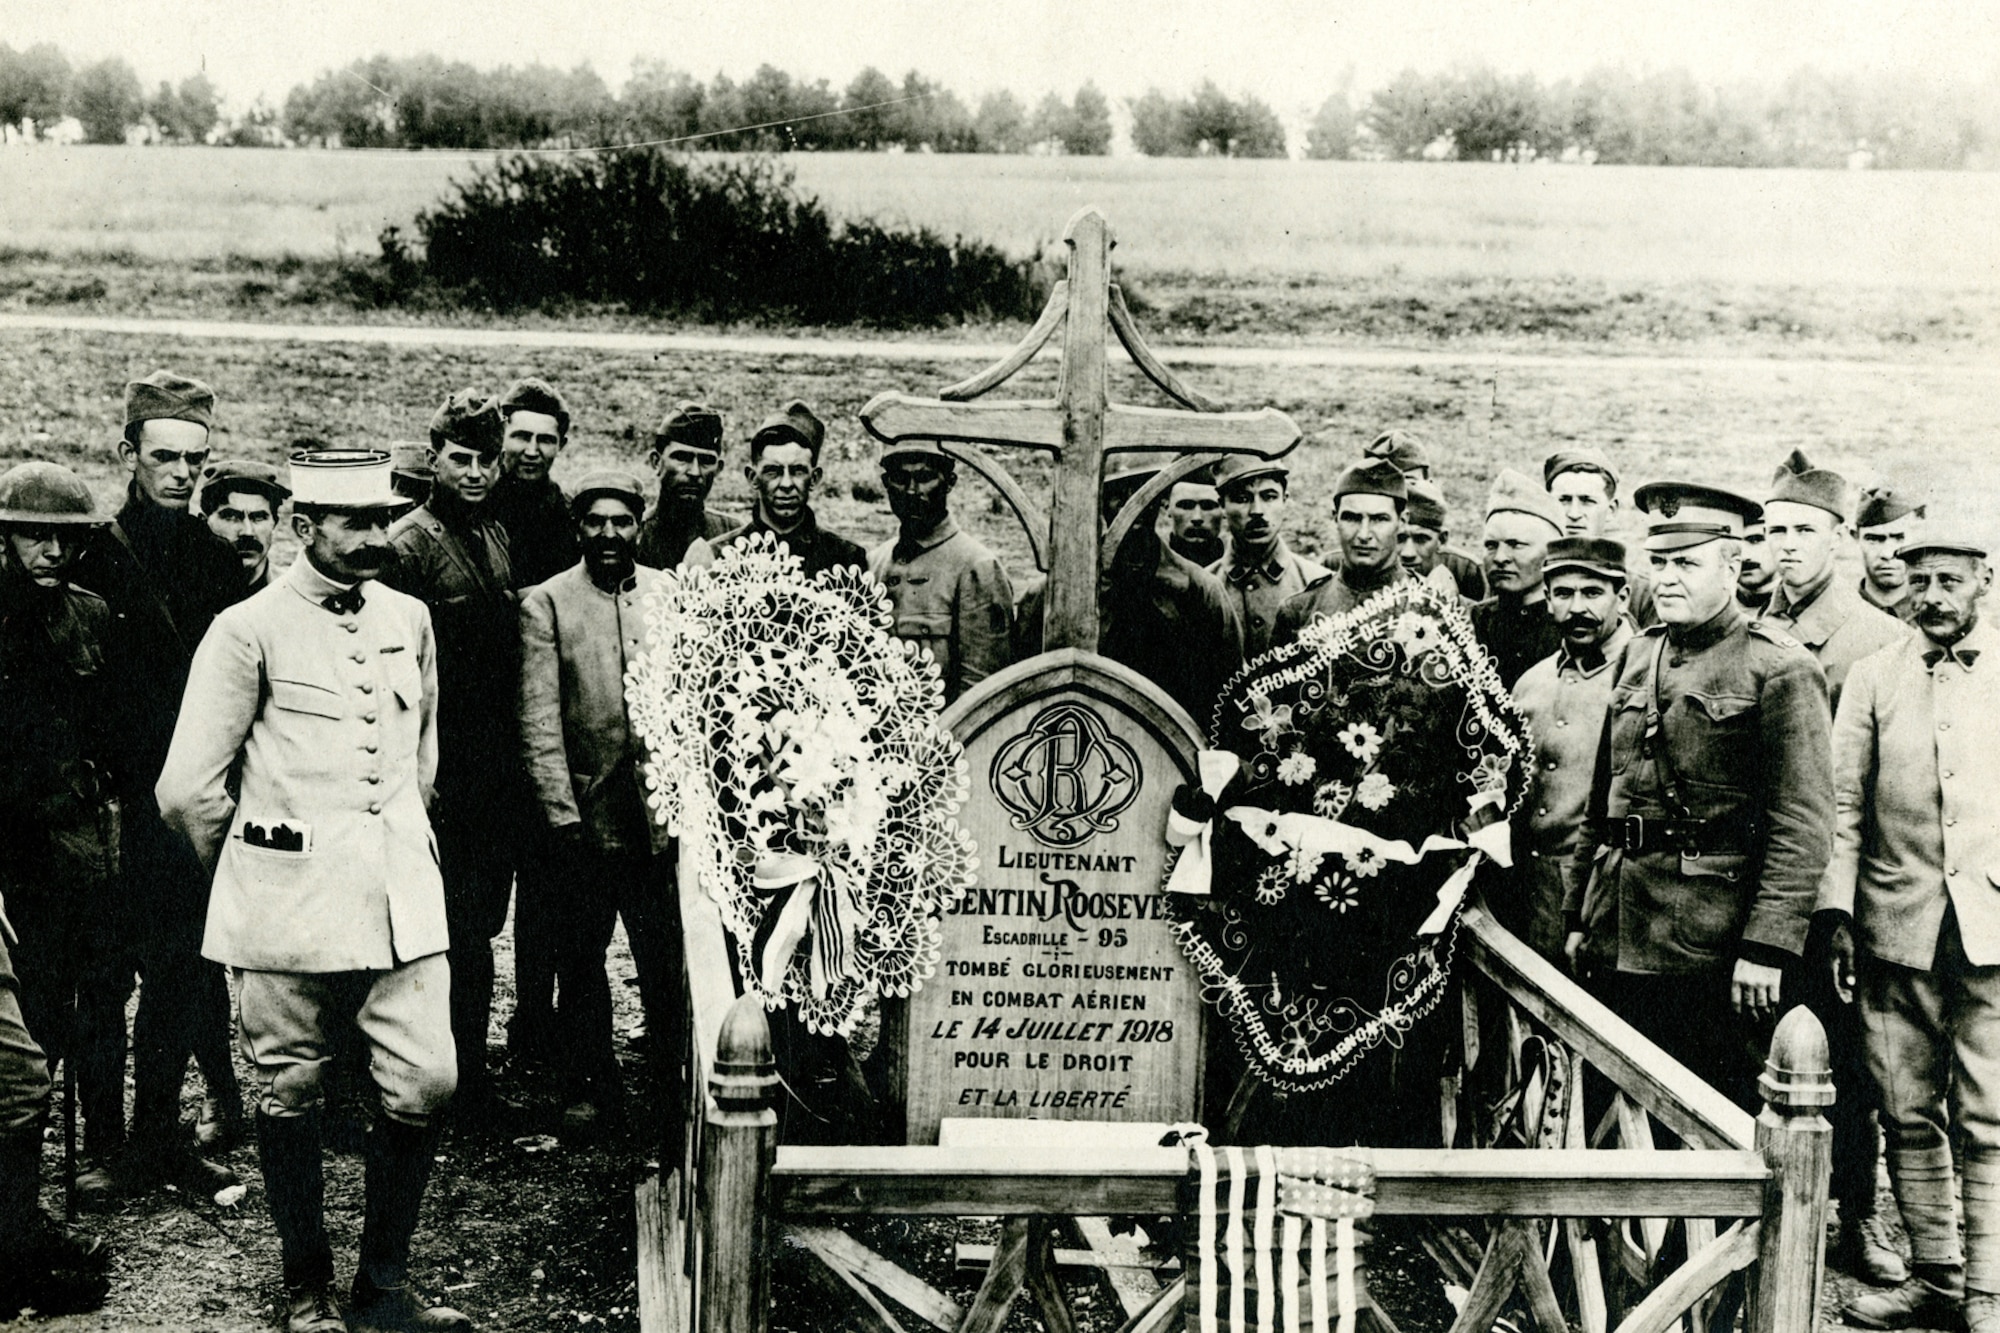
301	696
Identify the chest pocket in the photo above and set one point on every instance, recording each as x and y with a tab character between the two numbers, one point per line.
406	679
1720	747
1628	727
304	696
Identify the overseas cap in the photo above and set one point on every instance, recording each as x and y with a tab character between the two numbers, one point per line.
692	424
1879	505
1802	483
344	479
1944	543
1687	513
1373	476
468	418
1596	555
39	492
1400	448
1514	492
1246	467
1426	508
241	474
165	396
796	423
1580	459
608	482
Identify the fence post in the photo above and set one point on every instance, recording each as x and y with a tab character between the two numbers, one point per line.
738	1149
1797	1144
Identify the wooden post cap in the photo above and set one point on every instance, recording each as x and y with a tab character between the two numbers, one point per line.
1797	1075
745	1072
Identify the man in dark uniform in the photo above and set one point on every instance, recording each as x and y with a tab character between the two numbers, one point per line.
1884	522
784	472
1758	575
687	457
1513	624
62	742
1584	486
1423	544
451	554
1368	504
1711	809
1194	519
1260	573
948	591
166	577
526	502
240	500
1412	457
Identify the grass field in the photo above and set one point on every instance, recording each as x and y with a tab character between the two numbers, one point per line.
1294	219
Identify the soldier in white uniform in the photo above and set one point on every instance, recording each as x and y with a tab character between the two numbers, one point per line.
300	771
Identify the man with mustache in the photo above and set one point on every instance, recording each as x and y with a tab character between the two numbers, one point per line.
1584	486
452	555
166	577
1566	696
783	472
1194	518
1805	523
1753	582
240	501
579	632
947	590
1885	522
299	773
1368	505
1711	807
1513	624
526	502
1915	915
687	457
1260	573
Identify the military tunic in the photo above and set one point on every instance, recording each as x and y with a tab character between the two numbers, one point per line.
1835	623
819	548
1515	633
541	532
1902	608
950	594
1259	591
664	539
1330	595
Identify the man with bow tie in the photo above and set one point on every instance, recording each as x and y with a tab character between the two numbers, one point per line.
1913	894
300	772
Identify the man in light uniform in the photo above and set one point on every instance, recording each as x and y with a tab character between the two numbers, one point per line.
1914	891
947	591
1260	573
1566	696
1584	486
240	500
1368	504
1711	809
1513	624
1884	523
299	772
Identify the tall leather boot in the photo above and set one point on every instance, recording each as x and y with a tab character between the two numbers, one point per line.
295	1183
398	1166
45	1267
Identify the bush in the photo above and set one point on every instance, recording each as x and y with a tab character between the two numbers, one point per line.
664	234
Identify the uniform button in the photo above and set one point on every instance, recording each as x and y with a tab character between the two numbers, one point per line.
1944	726
367	687
350	627
1544	810
374	807
367	717
1947	772
1952	871
1552	763
371	747
361	657
1562	721
374	779
1951	823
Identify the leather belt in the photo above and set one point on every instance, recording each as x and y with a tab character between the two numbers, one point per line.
1638	834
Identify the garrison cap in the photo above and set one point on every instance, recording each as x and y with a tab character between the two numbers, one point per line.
165	396
241	474
1580	459
1944	543
1245	467
1400	448
1800	482
1373	476
344	479
1596	555
794	423
916	447
1513	492
1879	505
46	494
530	394
1426	507
469	418
1687	513
694	424
614	482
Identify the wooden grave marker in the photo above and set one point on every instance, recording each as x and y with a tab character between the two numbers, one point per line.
1062	993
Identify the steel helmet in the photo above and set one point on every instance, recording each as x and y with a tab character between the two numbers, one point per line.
41	493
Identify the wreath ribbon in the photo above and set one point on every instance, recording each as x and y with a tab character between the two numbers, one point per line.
806	912
1194	830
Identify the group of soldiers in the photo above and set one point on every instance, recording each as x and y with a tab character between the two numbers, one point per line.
1756	783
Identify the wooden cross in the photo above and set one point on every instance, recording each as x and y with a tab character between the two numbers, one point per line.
1079	426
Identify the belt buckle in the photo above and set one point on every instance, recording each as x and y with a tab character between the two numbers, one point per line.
1632	833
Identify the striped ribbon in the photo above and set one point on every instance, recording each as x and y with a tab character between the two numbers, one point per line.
1286	1213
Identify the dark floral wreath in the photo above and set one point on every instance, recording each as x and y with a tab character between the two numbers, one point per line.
1375	761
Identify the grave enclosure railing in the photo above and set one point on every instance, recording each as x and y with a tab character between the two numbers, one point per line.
1642	1238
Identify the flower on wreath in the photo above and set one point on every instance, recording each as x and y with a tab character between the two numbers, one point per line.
1269	721
1303	864
1362	741
1414	632
1491	774
1363	862
1296	767
1271	886
1339	893
1330	799
1375	791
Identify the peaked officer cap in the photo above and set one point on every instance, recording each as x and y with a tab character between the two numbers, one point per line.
342	479
1687	513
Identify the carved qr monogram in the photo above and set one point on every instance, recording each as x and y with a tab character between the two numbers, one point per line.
1066	778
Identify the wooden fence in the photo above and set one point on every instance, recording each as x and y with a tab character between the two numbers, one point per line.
1597	1227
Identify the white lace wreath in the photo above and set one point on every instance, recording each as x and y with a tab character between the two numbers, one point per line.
784	721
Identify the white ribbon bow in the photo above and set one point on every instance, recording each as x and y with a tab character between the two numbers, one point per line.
1195	838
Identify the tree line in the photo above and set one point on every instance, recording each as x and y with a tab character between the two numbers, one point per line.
1611	115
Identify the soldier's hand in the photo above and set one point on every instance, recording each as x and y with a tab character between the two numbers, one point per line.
1571	943
1754	989
1840	960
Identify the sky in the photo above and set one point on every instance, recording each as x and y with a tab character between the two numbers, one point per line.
1290	52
